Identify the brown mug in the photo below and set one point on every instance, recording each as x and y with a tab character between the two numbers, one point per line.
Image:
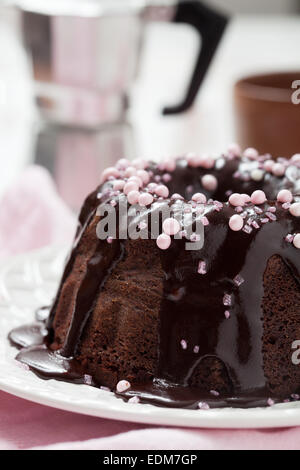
267	113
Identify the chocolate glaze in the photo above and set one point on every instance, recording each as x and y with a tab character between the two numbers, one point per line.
236	342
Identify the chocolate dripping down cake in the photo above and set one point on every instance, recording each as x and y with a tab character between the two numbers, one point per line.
170	316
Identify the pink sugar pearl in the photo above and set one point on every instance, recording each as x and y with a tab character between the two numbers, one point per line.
162	191
296	240
209	182
296	158
251	153
122	164
137	180
236	200
144	175
163	241
110	172
133	197
199	197
145	199
171	226
236	222
234	149
170	164
118	185
122	386
246	198
130	186
207	162
258	197
278	169
130	171
268	165
284	196
139	163
295	209
193	160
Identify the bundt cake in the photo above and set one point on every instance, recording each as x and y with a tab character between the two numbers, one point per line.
199	308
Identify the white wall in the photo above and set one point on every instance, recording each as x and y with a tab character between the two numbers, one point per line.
257	6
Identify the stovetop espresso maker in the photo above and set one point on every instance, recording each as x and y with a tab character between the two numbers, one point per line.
85	53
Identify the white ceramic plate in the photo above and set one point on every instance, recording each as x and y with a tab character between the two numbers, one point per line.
30	281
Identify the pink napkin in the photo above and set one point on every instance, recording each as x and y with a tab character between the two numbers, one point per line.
31	216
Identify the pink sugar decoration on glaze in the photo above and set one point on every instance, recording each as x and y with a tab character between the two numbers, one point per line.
202	405
137	180
258	197
271	216
227	314
130	186
133	197
171	226
196	349
195	237
140	163
214	393
247	229
134	400
118	185
152	187
286	205
162	191
202	267
122	164
183	344
296	158
200	198
265	220
145	199
170	164
176	196
166	177
284	196
295	209
270	402
157	178
295	396
236	200
122	386
209	182
142	225
205	221
109	240
144	175
113	203
258	210
110	172
227	300
251	153
163	241
289	238
278	169
238	280
268	165
296	241
255	224
246	198
207	162
130	171
236	222
234	149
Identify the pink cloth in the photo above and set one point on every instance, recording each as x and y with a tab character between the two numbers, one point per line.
32	215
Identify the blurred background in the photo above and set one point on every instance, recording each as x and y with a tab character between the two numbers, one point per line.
84	82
